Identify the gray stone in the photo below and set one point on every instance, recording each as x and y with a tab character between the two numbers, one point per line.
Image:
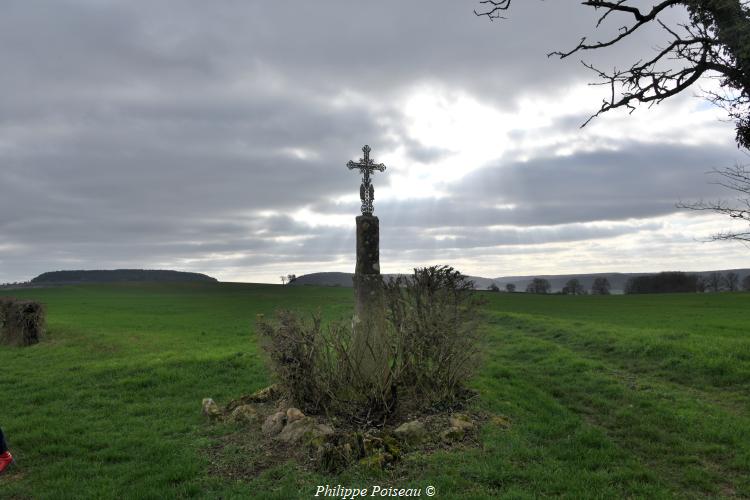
294	431
210	408
303	430
293	414
411	432
274	423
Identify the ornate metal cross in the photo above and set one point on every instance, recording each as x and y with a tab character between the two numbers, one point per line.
366	190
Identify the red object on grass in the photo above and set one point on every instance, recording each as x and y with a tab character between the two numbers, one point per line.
5	460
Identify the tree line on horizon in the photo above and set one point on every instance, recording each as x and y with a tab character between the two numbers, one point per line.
601	286
677	282
664	282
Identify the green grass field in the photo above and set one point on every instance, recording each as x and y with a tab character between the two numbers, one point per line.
618	396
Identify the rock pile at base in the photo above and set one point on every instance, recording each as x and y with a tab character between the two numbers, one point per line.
333	450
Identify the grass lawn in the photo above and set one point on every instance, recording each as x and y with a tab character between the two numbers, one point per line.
617	396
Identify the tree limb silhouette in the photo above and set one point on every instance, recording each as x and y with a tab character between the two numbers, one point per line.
715	43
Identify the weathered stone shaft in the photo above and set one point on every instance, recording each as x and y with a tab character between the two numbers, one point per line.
368	245
370	346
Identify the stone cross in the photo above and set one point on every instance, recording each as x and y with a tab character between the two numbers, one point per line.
370	342
366	191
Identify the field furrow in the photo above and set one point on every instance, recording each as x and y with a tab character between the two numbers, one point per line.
692	444
716	375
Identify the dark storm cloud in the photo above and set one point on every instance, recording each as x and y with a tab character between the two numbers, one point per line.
178	133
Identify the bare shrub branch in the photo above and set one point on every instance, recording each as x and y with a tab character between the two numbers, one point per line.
433	349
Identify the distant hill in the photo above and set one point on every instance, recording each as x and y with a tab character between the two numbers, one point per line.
118	275
557	281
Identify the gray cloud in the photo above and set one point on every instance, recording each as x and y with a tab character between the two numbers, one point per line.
164	134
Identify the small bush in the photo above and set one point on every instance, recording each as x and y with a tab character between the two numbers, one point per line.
316	368
435	323
21	322
433	347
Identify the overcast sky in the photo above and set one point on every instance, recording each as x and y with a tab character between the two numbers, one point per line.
213	137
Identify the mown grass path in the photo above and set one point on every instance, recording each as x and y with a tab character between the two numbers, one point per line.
621	396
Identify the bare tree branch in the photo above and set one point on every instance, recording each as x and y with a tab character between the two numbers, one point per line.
737	179
715	43
641	20
496	6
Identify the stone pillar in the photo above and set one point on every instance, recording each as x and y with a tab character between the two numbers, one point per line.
370	344
368	245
